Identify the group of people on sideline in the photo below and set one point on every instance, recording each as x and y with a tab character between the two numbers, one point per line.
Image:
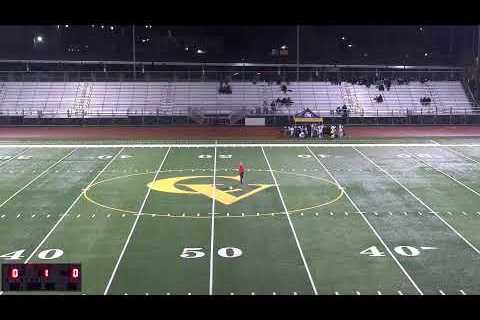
319	131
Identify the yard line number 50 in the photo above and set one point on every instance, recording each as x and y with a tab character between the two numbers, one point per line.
227	252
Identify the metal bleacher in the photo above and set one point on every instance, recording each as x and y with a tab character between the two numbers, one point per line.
123	99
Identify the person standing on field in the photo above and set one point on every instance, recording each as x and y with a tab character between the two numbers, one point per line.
241	171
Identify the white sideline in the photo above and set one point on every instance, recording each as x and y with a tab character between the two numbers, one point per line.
212	232
420	200
134	226
368	223
70	208
291	225
13	157
230	145
36	178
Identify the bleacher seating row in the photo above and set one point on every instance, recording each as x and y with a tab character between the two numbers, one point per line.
105	99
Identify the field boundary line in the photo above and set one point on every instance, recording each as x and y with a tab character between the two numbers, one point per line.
457	152
291	225
443	173
134	226
212	231
421	201
70	208
13	157
230	145
36	178
368	223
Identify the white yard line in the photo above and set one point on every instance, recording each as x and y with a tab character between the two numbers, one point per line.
444	173
231	145
36	178
134	226
368	223
421	201
291	224
70	208
212	232
13	157
457	152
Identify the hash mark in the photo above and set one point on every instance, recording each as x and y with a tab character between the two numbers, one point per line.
33	216
48	216
462	292
375	213
441	292
405	213
346	213
448	212
357	292
294	293
400	292
336	293
379	292
464	213
109	215
78	216
390	213
3	216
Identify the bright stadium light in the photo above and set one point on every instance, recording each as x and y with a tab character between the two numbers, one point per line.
283	47
343	38
200	51
39	39
350	45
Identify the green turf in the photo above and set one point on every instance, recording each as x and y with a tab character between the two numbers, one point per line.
409	197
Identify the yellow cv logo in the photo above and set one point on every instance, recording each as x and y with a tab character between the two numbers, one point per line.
226	197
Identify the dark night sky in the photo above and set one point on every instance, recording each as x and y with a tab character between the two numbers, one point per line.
443	45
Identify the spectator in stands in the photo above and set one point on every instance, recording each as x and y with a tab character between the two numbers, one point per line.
345	111
379	99
283	87
388	84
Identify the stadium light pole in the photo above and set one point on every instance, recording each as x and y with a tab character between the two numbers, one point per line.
133	49
298	53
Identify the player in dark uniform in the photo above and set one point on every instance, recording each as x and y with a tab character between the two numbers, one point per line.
241	172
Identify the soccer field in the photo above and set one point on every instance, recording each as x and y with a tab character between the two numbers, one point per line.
377	217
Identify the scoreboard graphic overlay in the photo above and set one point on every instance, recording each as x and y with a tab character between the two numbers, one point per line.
41	277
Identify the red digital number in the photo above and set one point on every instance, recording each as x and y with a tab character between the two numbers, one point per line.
75	273
14	273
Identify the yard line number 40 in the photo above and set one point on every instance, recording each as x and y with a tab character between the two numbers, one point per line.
406	251
48	254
